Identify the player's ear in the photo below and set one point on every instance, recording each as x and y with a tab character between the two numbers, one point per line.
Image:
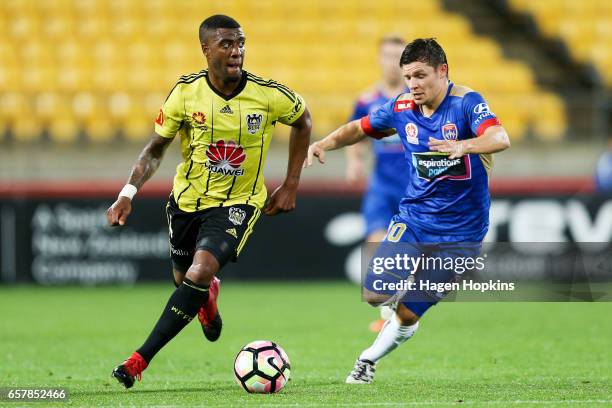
443	70
205	49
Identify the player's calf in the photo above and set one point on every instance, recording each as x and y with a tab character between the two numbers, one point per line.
406	316
390	337
203	269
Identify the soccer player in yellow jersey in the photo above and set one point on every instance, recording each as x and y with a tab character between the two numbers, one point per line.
225	117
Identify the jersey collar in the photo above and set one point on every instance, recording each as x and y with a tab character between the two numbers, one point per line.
239	89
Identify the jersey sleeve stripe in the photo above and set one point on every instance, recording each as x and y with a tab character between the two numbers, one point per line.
188	76
281	86
487	124
192	79
284	91
366	126
272	84
287	94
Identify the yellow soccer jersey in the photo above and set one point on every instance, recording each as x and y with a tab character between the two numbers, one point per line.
224	139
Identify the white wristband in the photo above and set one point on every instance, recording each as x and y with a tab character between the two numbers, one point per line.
128	191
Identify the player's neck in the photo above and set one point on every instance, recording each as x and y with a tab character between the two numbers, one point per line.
225	87
428	109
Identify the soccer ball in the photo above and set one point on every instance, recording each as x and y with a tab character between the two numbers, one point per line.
262	367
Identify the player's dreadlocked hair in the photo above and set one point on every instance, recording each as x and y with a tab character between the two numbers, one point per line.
216	21
426	50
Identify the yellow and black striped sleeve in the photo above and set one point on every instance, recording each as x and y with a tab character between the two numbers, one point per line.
288	106
171	114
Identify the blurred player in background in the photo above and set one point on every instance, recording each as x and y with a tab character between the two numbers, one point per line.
388	180
225	117
603	171
449	133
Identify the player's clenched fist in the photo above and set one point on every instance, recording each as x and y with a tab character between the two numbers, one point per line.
281	200
119	211
314	150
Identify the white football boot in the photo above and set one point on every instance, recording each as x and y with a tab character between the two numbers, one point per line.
363	372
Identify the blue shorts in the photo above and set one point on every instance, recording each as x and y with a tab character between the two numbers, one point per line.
379	206
442	261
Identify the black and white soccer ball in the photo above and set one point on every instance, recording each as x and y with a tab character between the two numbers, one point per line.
262	367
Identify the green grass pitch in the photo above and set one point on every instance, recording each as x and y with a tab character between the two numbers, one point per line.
464	354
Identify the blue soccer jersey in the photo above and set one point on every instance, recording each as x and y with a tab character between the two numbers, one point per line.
387	184
388	152
444	197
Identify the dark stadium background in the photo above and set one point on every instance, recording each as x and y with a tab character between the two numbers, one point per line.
56	233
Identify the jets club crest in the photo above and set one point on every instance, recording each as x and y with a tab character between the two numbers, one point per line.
253	121
450	132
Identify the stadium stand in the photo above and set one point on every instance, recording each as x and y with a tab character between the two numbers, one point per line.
100	69
583	25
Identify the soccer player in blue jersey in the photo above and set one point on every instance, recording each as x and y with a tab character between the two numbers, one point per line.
386	186
387	183
448	133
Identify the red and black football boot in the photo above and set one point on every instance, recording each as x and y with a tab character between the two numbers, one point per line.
130	370
208	315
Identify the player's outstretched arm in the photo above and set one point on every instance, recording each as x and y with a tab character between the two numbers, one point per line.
345	135
147	163
283	198
493	140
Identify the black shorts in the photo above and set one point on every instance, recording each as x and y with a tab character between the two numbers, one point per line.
222	231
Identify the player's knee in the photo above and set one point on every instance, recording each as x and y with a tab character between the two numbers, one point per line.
374	299
406	316
201	273
203	269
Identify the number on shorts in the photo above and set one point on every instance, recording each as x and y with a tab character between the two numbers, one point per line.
396	231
